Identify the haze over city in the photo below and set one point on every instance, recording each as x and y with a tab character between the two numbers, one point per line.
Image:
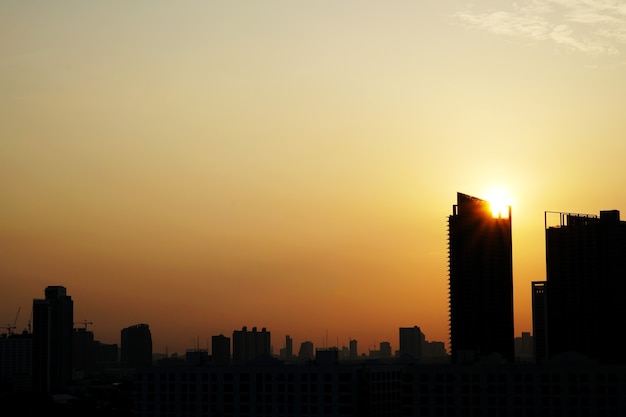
206	166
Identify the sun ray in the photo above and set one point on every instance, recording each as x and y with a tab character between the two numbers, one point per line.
499	202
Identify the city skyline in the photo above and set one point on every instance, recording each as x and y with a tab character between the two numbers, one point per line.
203	167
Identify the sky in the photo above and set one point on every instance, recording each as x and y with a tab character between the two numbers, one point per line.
203	166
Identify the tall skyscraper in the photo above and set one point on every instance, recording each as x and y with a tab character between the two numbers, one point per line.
540	317
586	283
354	351
481	282
411	340
53	321
136	346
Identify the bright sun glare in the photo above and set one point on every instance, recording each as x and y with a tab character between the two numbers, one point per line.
499	202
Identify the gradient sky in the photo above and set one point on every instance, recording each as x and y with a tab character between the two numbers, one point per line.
204	165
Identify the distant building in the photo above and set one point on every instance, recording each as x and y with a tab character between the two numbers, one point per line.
220	350
53	320
248	345
16	360
306	352
385	350
481	282
83	359
524	348
585	284
286	353
411	341
136	346
105	355
540	320
434	350
354	351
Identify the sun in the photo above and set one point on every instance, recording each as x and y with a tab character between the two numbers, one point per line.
499	202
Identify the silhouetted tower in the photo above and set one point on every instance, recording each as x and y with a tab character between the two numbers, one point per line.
411	339
83	343
220	350
250	345
354	352
481	282
385	350
136	346
53	319
586	283
306	353
540	323
288	347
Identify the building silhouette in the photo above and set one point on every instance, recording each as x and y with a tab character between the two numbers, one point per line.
248	345
286	353
53	321
306	352
136	346
585	284
328	387
481	282
83	360
540	320
220	349
16	360
354	349
411	340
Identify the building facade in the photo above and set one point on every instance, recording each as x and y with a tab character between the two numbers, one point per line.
220	349
480	282
375	389
585	284
136	346
53	323
248	345
411	341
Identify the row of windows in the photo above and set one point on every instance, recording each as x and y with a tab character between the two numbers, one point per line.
242	409
245	387
555	378
245	377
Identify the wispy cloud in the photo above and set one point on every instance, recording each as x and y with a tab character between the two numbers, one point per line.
588	26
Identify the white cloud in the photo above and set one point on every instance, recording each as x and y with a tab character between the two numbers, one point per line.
589	26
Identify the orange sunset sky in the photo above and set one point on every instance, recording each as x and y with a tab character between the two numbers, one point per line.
204	165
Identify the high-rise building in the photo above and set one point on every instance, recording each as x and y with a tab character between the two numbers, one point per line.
481	282
136	346
286	353
306	352
220	350
250	345
411	340
83	347
540	317
385	350
585	284
53	322
16	351
354	351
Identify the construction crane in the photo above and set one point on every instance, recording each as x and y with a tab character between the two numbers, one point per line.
30	321
85	323
11	328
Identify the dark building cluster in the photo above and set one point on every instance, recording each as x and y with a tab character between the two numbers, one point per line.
562	369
